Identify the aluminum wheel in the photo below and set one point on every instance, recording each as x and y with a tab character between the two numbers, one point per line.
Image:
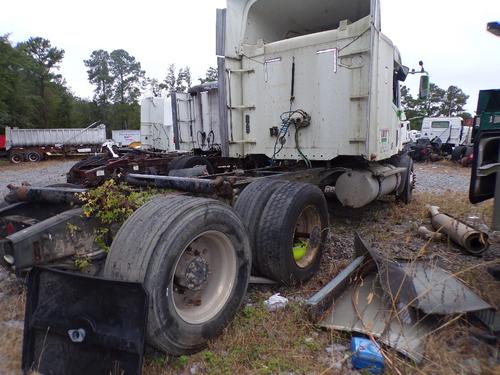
204	277
307	237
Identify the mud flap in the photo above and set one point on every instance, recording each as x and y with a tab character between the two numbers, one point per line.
77	324
485	163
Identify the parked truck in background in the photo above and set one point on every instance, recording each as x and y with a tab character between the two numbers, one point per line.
33	145
451	131
444	137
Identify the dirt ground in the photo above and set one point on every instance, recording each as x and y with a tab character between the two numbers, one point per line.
259	342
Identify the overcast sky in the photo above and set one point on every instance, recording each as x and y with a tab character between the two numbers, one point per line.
448	35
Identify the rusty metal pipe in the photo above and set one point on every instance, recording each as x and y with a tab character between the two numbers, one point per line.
43	194
473	241
218	186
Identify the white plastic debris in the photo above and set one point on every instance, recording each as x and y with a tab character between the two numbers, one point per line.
275	302
330	349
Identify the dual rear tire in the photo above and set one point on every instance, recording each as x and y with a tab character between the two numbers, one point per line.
32	156
287	223
194	257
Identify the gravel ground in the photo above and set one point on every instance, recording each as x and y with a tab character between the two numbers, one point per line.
41	174
445	176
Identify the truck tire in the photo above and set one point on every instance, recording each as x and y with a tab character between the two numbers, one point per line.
458	153
34	156
190	161
406	195
72	177
16	157
295	211
250	205
192	256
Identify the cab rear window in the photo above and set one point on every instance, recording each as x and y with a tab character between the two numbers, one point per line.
440	124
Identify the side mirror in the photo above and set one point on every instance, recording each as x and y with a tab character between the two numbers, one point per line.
423	91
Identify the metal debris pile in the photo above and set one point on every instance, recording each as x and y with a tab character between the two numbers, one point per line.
399	303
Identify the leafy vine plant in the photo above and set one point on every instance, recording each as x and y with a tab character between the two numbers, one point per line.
111	204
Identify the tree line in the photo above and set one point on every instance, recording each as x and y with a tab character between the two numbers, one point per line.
440	102
33	94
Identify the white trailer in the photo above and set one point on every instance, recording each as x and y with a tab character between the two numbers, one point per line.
183	121
125	137
156	124
35	144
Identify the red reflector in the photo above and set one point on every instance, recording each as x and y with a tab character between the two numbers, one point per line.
10	229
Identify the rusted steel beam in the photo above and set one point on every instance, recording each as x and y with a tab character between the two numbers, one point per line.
218	186
43	194
59	237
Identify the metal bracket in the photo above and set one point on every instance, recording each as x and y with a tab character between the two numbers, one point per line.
244	141
488	169
240	70
241	107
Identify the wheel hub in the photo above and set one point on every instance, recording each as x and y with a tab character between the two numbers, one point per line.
204	277
192	273
315	238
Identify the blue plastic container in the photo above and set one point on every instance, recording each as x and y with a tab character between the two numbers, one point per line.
366	356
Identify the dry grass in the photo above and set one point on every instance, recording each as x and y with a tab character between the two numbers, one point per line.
257	342
12	304
466	353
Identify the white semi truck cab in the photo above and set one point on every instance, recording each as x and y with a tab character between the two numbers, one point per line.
326	64
450	130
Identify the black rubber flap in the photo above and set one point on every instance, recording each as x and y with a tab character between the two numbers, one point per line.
77	324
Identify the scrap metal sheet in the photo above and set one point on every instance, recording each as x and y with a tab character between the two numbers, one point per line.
439	292
366	309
